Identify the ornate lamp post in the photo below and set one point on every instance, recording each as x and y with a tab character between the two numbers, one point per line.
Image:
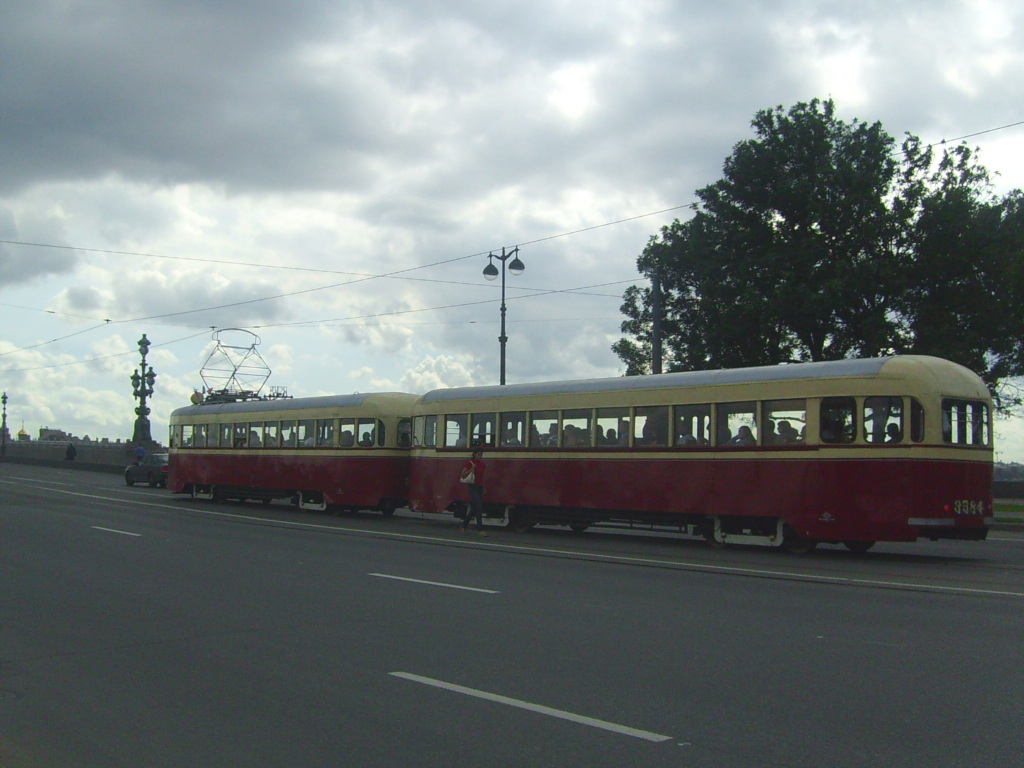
491	272
142	384
3	428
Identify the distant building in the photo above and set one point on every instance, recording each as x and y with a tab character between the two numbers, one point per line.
47	435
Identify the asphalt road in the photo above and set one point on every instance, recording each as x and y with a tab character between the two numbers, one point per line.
142	629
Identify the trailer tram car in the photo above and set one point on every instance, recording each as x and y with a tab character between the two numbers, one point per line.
345	452
851	452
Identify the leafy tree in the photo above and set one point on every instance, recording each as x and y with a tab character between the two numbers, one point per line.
822	242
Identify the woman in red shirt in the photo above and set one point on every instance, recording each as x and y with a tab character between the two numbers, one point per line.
473	476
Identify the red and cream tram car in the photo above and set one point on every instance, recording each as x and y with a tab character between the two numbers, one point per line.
851	451
347	451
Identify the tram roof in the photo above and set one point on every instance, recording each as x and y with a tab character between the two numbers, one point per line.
287	404
859	367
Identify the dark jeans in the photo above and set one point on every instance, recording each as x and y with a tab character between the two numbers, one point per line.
476	507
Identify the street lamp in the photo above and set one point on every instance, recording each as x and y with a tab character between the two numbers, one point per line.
3	429
142	387
491	272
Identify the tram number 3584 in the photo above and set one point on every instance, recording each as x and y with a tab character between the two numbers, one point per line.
968	507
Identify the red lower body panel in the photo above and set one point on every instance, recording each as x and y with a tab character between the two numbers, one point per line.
343	480
831	500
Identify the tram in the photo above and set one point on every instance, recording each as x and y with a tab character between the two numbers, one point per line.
850	451
345	451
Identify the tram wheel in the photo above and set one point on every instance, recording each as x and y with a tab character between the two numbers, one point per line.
858	547
796	544
519	521
388	509
578	527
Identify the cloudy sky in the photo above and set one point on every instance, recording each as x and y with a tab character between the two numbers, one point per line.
331	175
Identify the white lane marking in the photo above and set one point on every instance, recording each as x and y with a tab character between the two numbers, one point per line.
435	583
114	530
539	708
576	555
9	478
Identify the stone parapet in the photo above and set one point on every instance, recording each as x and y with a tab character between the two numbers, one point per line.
112	457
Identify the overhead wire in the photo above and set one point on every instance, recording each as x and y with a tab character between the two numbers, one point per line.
102	357
360	277
341	320
53	341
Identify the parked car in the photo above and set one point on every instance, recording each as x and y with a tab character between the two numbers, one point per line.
152	469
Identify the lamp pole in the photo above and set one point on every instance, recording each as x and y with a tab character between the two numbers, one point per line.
3	429
491	272
142	384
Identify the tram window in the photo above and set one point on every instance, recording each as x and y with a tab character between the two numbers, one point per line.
736	424
404	433
187	436
576	428
255	434
325	433
650	426
692	423
544	429
287	434
883	419
199	436
980	424
347	433
370	432
305	433
916	421
272	434
785	422
456	430
837	418
965	422
513	429
482	429
612	427
225	430
240	435
424	431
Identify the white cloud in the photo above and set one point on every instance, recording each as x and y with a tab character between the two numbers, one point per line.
440	372
313	144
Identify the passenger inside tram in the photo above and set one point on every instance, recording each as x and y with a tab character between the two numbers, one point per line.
744	436
787	434
535	436
574	437
552	436
685	436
